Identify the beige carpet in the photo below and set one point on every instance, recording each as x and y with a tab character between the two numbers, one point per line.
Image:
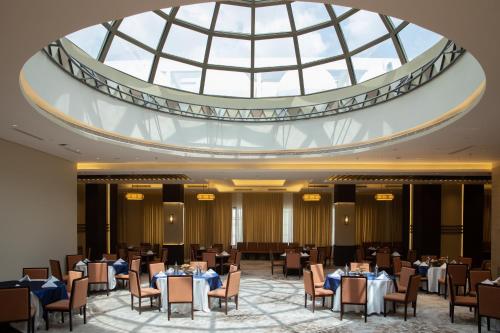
267	304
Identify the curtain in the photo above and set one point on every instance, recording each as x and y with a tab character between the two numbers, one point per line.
262	217
312	220
152	227
222	211
378	221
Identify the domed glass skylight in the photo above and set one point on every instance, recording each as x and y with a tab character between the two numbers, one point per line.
259	49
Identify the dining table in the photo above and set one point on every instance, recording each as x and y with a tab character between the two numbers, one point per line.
222	257
378	286
202	284
433	274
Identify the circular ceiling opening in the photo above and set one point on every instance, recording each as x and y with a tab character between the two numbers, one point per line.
255	49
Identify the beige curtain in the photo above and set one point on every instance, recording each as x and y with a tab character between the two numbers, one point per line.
262	217
222	219
152	227
312	220
378	221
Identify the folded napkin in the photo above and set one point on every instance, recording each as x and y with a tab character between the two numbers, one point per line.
497	281
211	271
170	270
49	284
396	254
120	261
130	247
487	281
374	253
150	252
453	262
424	264
383	276
80	263
103	259
337	273
371	248
25	278
53	279
224	253
443	266
283	254
86	261
417	263
161	274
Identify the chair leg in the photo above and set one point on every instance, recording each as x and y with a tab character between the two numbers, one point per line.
192	311
131	302
46	317
168	311
488	322
70	321
331	303
406	309
220	303
62	317
236	301
394	307
341	311
140	305
305	300
415	309
226	306
452	314
385	308
479	324
151	301
85	314
314	302
323	301
366	312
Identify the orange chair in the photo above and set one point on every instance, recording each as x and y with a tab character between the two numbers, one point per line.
110	256
232	268
353	290
292	261
313	257
405	263
155	268
40	273
275	263
72	260
232	290
209	257
313	291
318	275
487	301
135	266
465	260
467	301
459	272
77	301
383	260
404	279
180	290
363	266
476	277
140	293
72	276
410	296
202	264
396	265
55	269
15	306
98	274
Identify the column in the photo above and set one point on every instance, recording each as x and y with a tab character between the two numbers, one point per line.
495	221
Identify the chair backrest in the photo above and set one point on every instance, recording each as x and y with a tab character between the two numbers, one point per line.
71	260
363	266
164	255
428	256
405	263
238	258
233	268
97	272
404	277
55	269
309	282
486	265
465	260
353	289
135	265
413	286
313	256
233	283
209	257
459	272
396	264
203	265
290	250
211	249
36	273
132	255
451	289
477	277
487	299
318	273
292	260
79	292
134	285
155	268
15	304
360	254
110	256
180	288
218	247
383	259
72	276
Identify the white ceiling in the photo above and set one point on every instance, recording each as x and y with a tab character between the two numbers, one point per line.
26	26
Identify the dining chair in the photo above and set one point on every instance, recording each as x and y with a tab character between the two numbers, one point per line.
180	290
487	303
405	263
72	260
465	260
98	274
218	247
476	277
140	293
110	256
467	301
486	265
383	260
155	268
459	272
72	276
404	279
202	264
292	261
313	257
428	256
209	257
238	259
318	275
55	270
15	306
134	266
311	290
353	290
232	290
396	265
275	262
363	266
38	273
232	268
76	301
410	296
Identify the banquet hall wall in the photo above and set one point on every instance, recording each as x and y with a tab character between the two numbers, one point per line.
38	209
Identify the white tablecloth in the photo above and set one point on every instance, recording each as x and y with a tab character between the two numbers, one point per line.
377	289
200	296
433	275
95	287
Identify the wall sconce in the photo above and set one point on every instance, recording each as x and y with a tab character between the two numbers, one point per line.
346	220
171	219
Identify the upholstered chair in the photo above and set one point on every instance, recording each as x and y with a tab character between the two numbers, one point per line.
476	277
38	273
318	275
311	290
364	266
155	268
467	301
487	301
232	290
98	274
134	266
404	279
55	269
72	260
180	290
410	296
140	293
202	264
353	290
292	261
15	306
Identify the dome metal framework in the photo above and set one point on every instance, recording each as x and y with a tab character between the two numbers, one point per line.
255	49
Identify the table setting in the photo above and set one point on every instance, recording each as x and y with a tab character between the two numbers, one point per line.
433	270
119	266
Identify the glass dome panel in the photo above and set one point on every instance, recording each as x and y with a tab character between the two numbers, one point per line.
340	10
199	14
275	52
234	19
129	58
227	83
89	39
145	28
319	44
375	61
281	83
361	28
271	19
306	14
417	40
176	43
230	52
332	75
178	75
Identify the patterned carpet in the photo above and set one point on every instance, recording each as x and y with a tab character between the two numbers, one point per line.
267	304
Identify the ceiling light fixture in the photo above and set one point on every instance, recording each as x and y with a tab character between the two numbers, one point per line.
384	196
205	196
311	197
134	196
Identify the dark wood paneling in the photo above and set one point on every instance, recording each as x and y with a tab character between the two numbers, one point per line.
427	219
405	219
473	222
343	254
95	219
344	193
113	217
173	193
